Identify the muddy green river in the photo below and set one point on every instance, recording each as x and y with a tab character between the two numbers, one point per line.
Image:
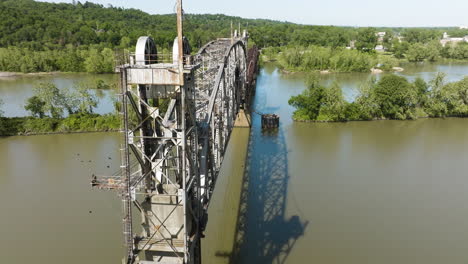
346	193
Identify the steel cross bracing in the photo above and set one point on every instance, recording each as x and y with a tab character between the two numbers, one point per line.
174	139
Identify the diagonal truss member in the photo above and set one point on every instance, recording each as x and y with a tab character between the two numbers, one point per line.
174	139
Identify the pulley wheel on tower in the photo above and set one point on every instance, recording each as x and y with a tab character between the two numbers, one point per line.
175	50
146	52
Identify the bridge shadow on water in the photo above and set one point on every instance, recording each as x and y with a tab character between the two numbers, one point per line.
264	233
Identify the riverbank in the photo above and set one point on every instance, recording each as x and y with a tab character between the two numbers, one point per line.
77	123
21	74
391	97
298	59
378	119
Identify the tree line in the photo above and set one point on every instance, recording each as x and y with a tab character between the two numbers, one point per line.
430	51
334	59
40	25
69	59
41	36
391	97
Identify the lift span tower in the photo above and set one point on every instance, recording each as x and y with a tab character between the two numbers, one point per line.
178	111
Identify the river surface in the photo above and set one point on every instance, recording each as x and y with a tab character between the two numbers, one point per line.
50	214
351	193
15	91
358	192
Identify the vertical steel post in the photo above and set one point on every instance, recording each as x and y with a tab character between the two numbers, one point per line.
232	33
126	194
180	40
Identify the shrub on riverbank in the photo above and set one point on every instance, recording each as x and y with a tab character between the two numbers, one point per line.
73	123
326	58
392	97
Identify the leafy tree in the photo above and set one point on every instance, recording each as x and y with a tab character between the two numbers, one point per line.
35	106
399	48
422	92
309	102
367	102
458	51
456	97
437	83
387	41
94	62
108	60
416	52
333	105
366	39
69	100
125	43
418	35
70	60
433	50
100	62
52	98
395	96
87	100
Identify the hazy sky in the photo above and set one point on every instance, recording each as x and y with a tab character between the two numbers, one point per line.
324	12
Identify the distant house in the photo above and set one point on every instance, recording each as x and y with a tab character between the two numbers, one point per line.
446	39
352	44
380	40
381	36
379	48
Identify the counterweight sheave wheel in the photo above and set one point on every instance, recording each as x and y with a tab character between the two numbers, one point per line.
146	52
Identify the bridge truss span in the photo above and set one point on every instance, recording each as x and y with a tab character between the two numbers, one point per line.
175	134
218	101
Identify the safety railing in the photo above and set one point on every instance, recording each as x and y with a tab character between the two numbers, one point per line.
148	59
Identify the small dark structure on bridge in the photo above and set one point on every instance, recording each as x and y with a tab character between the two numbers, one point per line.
270	121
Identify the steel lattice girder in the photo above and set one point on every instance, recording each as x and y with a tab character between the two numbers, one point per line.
178	153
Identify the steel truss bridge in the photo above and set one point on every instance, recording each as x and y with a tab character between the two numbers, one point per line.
178	112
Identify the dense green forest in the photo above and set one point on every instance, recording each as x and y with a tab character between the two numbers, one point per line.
41	26
392	97
83	36
38	36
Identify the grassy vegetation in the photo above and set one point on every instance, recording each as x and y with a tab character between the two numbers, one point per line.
315	58
73	123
